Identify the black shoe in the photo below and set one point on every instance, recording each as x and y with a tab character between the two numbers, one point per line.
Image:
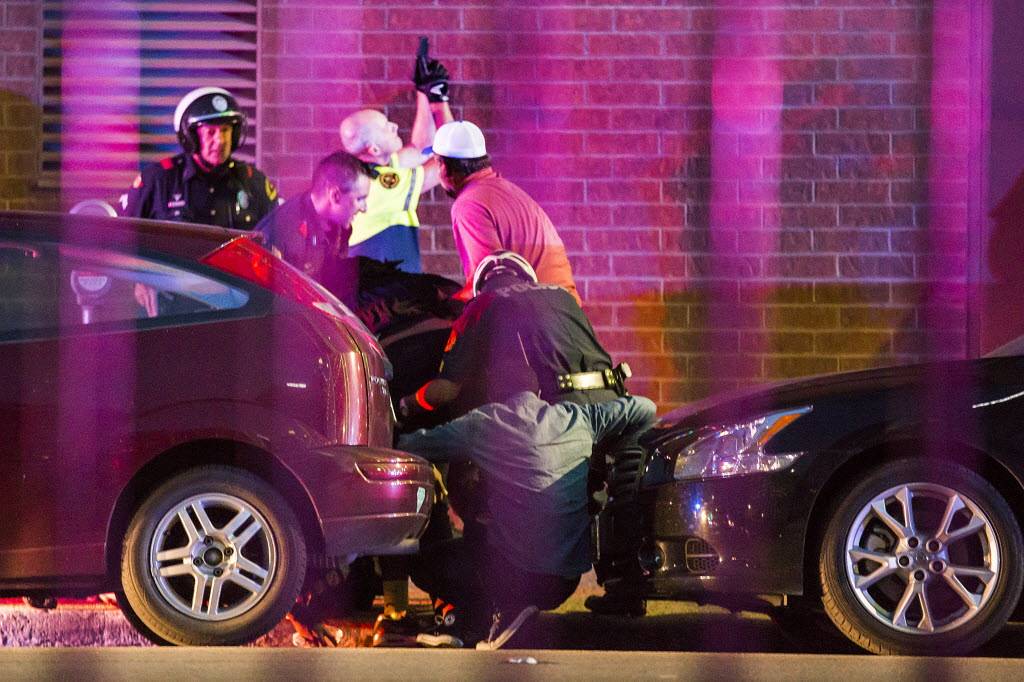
398	629
447	631
502	629
616	604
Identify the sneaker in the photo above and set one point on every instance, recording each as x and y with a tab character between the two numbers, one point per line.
439	639
499	636
616	604
399	629
447	631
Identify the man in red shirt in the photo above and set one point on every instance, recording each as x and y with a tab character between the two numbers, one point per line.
490	213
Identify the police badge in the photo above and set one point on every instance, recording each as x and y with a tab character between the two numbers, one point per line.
389	180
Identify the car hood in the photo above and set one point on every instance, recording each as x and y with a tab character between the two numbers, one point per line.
807	391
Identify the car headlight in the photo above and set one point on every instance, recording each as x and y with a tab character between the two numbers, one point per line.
737	449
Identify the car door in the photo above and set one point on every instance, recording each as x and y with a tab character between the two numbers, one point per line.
73	320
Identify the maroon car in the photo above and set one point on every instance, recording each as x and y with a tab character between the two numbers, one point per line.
188	421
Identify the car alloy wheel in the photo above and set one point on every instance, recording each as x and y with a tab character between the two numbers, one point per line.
918	576
916	559
213	557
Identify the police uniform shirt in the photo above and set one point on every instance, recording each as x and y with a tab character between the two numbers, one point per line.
393	198
520	337
235	195
295	233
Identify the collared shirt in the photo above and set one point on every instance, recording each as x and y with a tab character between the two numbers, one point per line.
296	233
393	198
235	195
491	213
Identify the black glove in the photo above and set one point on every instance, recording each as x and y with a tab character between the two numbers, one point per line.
431	78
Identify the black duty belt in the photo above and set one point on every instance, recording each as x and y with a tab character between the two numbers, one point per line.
614	379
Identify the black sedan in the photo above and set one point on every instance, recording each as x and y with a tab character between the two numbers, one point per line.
890	499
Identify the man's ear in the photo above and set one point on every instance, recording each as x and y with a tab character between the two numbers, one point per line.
334	194
373	148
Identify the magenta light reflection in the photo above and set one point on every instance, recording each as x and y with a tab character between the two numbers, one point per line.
746	100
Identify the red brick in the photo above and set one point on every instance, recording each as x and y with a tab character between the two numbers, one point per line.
877	167
572	69
880	20
800	267
807	69
689	44
876	266
802	20
586	20
652	20
809	118
783	367
15	41
883	68
852	143
849	44
853	343
860	241
628	45
877	119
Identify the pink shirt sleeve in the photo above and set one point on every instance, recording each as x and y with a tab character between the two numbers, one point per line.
476	235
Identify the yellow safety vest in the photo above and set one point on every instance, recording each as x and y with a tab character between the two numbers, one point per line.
393	199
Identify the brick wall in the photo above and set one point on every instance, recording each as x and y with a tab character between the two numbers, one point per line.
20	114
743	186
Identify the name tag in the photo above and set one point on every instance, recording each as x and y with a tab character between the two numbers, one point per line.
176	204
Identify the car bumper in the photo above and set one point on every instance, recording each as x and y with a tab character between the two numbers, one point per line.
374	500
742	535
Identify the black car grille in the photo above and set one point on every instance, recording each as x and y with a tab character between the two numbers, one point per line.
700	556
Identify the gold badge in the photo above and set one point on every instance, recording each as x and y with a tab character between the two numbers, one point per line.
271	191
389	180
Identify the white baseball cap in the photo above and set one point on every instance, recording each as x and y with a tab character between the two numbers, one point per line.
458	140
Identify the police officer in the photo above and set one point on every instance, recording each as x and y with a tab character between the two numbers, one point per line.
311	230
204	184
536	392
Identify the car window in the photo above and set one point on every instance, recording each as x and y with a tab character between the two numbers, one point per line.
44	286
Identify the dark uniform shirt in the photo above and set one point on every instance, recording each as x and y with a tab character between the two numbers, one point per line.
296	233
520	337
234	195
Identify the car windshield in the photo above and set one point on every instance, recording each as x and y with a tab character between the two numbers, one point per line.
1015	347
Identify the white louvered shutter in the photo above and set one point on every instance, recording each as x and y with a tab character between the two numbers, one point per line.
113	72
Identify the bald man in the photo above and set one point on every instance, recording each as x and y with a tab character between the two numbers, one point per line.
388	229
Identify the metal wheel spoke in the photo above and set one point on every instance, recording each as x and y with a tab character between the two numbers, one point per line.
173	554
189	525
252	567
982	574
236	523
200	511
953	505
248	534
886	566
878	506
899	615
906	498
972	527
216	585
926	624
198	592
969	598
183	568
244	582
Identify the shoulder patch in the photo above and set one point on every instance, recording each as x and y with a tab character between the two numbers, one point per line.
269	188
137	182
389	179
168	163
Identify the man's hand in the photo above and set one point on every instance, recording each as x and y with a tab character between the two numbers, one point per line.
431	78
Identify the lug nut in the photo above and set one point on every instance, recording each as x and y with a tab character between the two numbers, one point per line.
903	561
207	540
198	561
912	543
933	546
919	575
228	551
218	572
938	567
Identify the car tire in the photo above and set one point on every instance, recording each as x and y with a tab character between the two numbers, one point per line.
215	556
941	579
805	625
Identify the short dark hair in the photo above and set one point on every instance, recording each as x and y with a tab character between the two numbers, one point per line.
340	170
465	167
